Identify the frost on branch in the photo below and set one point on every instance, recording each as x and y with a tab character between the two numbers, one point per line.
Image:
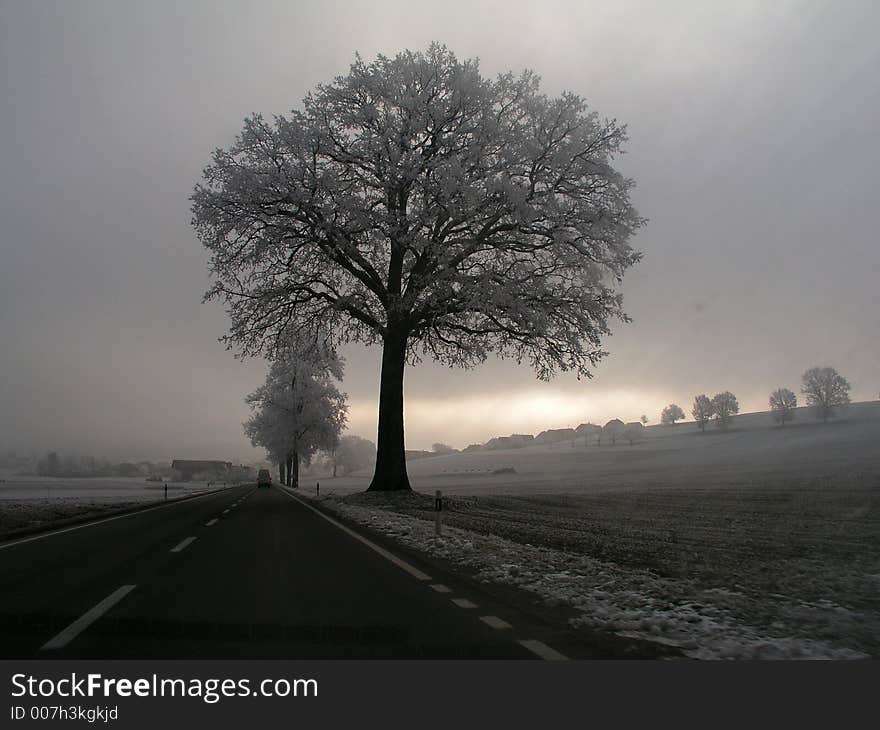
298	409
412	196
416	204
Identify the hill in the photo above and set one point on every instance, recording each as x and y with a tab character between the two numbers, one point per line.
751	451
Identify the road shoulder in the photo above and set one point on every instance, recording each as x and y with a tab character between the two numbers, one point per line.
549	623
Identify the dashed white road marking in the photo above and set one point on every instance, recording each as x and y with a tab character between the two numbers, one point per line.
463	603
211	522
63	638
542	650
495	622
226	512
538	648
183	544
402	564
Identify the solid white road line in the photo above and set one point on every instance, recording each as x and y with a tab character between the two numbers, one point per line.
463	603
440	588
211	522
13	543
403	565
183	544
87	619
542	650
495	622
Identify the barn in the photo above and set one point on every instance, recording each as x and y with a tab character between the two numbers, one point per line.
189	469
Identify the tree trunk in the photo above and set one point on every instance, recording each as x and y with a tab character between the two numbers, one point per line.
390	474
289	468
294	461
281	473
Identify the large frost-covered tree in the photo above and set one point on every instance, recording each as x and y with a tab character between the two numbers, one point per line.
671	414
415	204
724	406
782	404
298	410
703	410
825	390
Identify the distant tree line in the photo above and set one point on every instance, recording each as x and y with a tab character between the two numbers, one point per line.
55	464
824	390
350	454
298	411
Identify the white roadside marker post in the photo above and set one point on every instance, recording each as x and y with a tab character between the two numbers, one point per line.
438	509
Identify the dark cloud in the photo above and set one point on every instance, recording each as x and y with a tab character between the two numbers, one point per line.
752	138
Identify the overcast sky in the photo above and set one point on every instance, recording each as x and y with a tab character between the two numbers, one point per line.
752	140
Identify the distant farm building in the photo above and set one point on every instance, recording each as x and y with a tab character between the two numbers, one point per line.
514	441
634	431
242	473
555	435
188	469
589	431
614	429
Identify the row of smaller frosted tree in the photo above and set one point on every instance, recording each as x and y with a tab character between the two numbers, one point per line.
298	410
722	407
823	388
298	415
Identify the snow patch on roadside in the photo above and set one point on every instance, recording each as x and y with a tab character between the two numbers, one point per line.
626	601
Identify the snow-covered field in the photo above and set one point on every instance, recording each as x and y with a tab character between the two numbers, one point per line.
103	489
761	542
758	543
27	502
753	451
738	591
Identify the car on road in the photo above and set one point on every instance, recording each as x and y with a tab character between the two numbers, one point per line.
264	479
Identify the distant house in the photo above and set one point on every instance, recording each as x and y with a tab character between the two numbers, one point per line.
634	431
589	431
514	441
614	429
555	435
412	454
242	473
189	469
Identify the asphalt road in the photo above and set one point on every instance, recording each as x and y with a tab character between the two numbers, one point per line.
242	573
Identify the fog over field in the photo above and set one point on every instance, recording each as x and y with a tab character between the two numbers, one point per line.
751	139
756	543
482	329
753	453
